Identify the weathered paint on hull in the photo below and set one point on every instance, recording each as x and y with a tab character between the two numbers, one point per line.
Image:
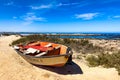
53	59
50	61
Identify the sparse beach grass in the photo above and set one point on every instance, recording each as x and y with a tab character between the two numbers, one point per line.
105	60
79	45
99	56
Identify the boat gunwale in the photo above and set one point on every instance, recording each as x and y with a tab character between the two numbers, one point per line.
66	54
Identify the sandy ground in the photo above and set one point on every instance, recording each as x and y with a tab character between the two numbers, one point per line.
14	67
108	44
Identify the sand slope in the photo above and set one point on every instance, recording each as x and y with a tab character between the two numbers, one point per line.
14	67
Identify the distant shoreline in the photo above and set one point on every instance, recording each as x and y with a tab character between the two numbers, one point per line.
73	35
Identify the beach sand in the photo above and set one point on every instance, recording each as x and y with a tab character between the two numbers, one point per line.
14	67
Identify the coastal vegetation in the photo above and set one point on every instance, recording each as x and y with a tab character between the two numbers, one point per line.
105	60
80	46
8	33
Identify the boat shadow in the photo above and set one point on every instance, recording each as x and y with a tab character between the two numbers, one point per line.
70	68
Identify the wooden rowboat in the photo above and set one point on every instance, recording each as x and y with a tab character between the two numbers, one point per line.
47	54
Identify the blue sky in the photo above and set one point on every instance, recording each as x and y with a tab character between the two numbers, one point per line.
60	15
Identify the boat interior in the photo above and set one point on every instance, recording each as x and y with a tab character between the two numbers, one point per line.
38	49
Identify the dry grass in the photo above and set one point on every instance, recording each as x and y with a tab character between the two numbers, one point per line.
106	60
81	45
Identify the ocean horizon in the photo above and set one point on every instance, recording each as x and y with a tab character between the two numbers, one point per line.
76	35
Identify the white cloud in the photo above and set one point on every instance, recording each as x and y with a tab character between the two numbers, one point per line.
42	6
86	16
14	17
31	17
9	3
67	4
116	16
27	22
52	5
61	4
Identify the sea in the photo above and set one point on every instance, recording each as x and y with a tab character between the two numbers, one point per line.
79	35
74	35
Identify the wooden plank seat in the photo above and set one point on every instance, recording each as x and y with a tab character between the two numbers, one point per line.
49	50
41	48
45	49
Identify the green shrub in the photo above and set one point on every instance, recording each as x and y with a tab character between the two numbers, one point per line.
84	42
81	45
106	60
93	61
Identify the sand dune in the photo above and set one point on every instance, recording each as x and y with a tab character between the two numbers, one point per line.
14	67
